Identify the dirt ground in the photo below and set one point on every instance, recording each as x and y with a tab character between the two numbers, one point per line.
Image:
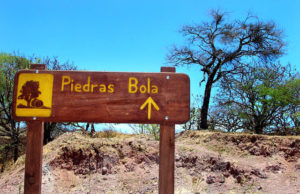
205	162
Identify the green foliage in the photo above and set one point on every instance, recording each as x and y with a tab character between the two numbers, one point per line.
150	129
264	98
9	65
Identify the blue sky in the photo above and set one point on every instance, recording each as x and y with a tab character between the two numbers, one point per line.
126	35
131	35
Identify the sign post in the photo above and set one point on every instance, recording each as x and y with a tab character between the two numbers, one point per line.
100	97
34	152
166	153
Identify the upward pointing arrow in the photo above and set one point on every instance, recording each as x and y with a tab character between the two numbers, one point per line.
150	102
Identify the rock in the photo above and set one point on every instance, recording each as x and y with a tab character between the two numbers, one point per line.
210	179
239	179
260	151
178	164
297	166
82	171
45	169
92	167
292	155
226	174
259	173
66	166
221	166
187	161
253	139
273	168
295	144
215	179
221	179
130	167
104	171
234	171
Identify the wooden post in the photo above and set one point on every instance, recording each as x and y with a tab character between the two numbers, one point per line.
166	153
34	152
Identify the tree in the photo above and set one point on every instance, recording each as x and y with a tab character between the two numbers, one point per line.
262	99
52	129
193	123
221	47
9	65
227	118
287	122
87	126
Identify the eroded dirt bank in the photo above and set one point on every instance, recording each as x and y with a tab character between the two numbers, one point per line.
206	162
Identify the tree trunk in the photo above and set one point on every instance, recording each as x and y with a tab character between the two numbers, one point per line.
16	151
205	105
47	132
258	129
92	129
15	139
87	126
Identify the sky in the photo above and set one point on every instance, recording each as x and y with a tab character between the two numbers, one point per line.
127	35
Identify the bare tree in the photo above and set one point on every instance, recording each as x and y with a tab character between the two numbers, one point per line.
222	47
52	129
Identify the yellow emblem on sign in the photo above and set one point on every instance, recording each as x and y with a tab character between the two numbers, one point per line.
34	95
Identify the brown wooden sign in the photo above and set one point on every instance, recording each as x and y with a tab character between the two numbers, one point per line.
108	97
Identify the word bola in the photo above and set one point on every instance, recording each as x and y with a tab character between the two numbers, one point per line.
134	87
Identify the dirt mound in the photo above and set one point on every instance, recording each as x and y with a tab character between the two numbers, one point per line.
258	145
105	157
211	162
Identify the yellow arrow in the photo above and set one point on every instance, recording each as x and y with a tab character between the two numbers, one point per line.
150	102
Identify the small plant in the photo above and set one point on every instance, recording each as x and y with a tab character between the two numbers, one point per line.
20	187
197	184
109	133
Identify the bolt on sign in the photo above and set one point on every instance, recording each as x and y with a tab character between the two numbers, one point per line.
118	97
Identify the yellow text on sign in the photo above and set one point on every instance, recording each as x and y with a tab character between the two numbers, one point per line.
135	87
34	95
70	85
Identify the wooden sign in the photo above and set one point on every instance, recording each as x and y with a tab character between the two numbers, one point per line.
108	97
